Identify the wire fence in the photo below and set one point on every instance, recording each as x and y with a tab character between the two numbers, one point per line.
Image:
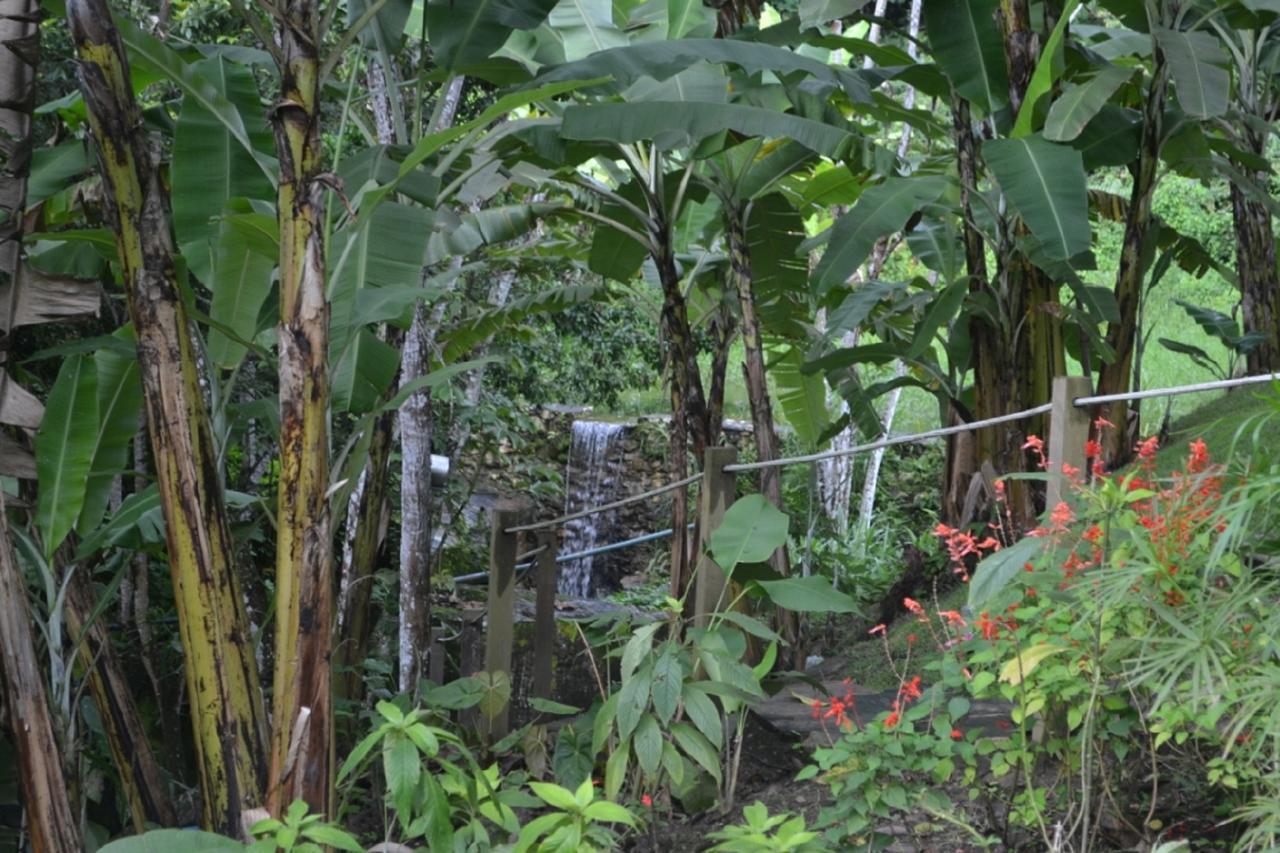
888	441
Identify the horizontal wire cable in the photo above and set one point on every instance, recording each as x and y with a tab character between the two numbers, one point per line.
1176	390
669	487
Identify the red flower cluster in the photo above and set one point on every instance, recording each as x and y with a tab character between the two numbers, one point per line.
961	545
907	691
841	709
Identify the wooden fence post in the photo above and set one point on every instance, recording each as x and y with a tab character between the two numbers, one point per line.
718	488
544	618
500	632
1068	432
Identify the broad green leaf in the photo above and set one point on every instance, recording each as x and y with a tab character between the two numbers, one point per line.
881	210
384	248
585	27
602	725
615	771
119	391
637	649
647	744
363	374
554	796
402	767
814	13
632	700
486	227
144	47
660	60
607	812
683	124
693	744
752	529
64	445
211	165
1026	660
1110	138
699	708
467	33
813	594
245	255
173	841
668	676
941	311
967	43
1042	78
1078	104
1045	182
332	836
994	573
52	168
1195	61
802	396
689	19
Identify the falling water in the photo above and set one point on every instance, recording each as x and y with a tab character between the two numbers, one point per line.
591	480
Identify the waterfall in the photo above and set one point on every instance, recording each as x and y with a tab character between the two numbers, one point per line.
591	479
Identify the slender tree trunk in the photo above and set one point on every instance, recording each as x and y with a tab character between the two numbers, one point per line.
416	426
41	779
140	776
222	679
1256	270
1114	378
302	735
723	329
689	425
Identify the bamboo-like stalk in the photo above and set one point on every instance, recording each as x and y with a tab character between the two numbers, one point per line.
302	712
40	773
222	677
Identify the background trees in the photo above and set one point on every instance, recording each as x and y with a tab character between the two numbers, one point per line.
726	175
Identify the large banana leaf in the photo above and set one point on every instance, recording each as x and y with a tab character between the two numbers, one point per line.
968	45
144	47
689	19
363	374
210	165
464	337
1110	138
802	396
1078	104
466	33
585	27
119	391
684	124
52	168
486	227
880	211
1045	182
64	450
384	249
664	59
1043	76
779	270
1195	61
245	255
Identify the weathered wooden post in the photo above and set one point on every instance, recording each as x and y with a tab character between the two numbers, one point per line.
1068	432
544	619
718	488
500	631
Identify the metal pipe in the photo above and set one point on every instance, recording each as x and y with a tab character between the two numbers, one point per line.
1216	385
480	577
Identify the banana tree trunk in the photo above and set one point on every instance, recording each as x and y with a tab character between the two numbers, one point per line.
1114	378
689	424
222	678
40	774
140	776
1256	269
302	735
19	47
723	329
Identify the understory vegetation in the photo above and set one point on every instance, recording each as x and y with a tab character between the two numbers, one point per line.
573	425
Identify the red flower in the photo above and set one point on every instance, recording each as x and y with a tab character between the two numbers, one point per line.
1147	449
1060	517
879	629
1036	444
953	617
1199	458
891	720
911	689
914	606
1092	449
990	630
911	639
647	800
956	734
1100	423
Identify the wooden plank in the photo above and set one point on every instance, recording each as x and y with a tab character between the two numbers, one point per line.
718	488
500	631
544	618
1068	432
